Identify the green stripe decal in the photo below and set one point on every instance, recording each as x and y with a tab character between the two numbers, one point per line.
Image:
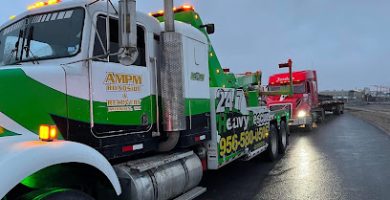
27	101
31	104
197	106
7	133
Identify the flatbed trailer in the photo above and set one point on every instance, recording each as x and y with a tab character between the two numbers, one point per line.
329	104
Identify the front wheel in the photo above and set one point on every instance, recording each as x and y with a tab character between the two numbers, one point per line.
321	116
283	137
309	126
272	150
56	194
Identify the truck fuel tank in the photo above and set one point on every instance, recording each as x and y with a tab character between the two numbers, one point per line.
160	177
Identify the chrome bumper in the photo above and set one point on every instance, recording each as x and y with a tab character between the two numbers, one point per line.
300	121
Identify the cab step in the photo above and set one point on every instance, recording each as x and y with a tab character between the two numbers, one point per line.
192	194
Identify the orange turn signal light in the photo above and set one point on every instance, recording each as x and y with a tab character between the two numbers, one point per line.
48	133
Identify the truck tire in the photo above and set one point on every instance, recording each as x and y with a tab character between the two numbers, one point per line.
321	116
283	137
342	109
308	127
272	149
337	111
56	194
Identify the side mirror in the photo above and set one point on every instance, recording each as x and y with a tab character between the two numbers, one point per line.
128	51
210	28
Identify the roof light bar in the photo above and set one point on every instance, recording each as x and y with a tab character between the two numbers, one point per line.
41	4
183	8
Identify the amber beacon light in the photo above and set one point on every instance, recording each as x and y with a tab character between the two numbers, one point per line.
40	4
48	133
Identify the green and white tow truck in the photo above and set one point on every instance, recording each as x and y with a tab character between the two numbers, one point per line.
99	101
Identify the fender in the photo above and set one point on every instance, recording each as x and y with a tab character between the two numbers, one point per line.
20	158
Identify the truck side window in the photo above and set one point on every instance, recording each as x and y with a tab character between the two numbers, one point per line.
114	41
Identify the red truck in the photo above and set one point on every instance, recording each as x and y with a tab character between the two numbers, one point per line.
305	104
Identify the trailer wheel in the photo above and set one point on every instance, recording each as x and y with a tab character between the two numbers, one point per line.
272	150
283	137
56	194
337	111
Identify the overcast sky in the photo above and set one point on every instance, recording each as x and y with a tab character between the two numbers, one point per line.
346	41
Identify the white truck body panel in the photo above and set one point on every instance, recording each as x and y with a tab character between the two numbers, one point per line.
195	50
21	157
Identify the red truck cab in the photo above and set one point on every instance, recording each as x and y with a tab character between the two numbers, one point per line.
304	100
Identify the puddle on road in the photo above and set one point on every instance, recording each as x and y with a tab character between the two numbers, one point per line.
304	173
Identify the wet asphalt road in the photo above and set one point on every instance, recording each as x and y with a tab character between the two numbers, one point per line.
344	158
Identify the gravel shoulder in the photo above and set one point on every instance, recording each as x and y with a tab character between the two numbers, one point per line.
377	115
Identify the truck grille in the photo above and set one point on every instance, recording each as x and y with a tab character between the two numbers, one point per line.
278	107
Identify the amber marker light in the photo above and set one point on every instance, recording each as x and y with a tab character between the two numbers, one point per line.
48	133
2	130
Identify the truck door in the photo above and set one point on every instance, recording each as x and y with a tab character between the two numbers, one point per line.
308	92
311	89
121	96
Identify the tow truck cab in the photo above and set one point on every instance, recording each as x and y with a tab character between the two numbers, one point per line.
304	99
53	72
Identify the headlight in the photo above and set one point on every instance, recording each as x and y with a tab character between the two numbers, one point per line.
301	113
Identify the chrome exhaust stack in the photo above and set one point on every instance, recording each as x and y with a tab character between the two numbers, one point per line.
169	16
128	52
172	81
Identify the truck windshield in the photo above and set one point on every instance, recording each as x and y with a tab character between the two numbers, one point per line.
298	89
44	36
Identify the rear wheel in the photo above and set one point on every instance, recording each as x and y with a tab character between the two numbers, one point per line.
56	194
272	150
283	137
